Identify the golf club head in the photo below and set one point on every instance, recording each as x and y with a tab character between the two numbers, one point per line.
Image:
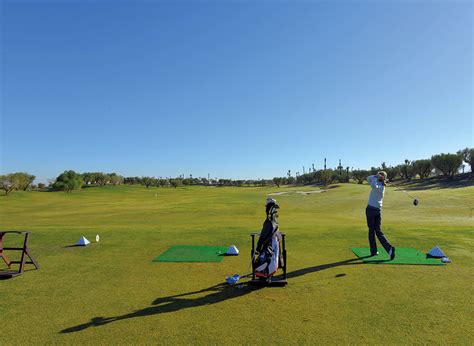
415	202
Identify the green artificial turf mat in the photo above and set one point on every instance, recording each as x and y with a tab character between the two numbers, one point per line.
402	256
192	254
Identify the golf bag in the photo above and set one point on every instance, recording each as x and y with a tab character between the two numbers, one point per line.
267	256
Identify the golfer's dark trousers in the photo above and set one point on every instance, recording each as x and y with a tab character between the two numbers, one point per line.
374	220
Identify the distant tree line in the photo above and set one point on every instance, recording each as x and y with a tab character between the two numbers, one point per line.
70	180
101	179
447	165
16	181
180	181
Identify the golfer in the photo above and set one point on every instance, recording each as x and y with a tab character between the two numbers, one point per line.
374	214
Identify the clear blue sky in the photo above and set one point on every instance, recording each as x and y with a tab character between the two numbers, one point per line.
237	89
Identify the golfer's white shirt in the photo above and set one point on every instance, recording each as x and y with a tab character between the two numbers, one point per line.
376	193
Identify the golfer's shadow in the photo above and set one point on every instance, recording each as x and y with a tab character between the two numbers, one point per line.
309	270
216	294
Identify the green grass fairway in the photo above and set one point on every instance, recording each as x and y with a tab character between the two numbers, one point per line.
112	293
185	253
403	256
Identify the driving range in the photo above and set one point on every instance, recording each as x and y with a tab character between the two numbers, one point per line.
112	291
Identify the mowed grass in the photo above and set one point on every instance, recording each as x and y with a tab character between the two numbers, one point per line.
112	293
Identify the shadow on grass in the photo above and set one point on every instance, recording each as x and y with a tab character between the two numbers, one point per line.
459	181
5	271
215	294
309	270
332	187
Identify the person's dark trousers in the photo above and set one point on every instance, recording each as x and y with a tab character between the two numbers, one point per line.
374	220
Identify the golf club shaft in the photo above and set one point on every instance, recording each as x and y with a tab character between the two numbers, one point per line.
401	190
408	194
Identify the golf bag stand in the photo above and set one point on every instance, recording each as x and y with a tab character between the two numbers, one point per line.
25	252
271	281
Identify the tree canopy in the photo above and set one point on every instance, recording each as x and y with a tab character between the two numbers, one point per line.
448	164
68	181
8	183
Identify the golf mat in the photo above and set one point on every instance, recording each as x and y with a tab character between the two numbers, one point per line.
402	256
193	254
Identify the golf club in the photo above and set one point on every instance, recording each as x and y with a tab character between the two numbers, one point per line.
415	200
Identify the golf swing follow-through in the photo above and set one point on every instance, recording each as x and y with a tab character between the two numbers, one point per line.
373	213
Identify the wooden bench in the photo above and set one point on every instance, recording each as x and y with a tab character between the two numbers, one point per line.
25	251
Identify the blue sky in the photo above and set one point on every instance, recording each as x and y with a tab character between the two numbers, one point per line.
236	89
